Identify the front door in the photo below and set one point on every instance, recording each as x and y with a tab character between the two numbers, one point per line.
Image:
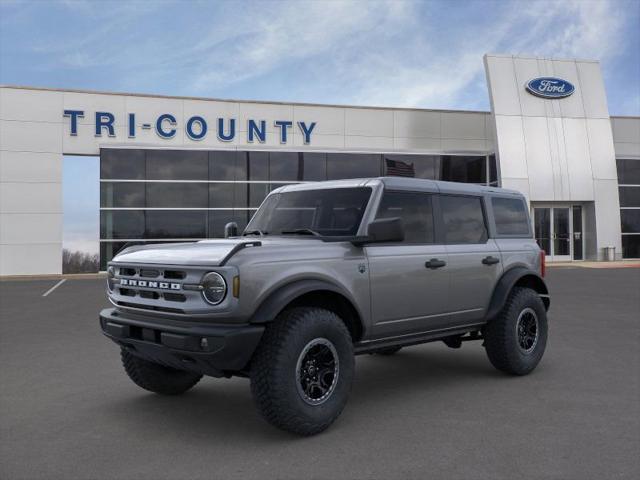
558	231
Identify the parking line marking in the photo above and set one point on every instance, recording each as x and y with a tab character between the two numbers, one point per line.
54	287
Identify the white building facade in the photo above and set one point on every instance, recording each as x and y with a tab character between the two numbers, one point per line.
175	168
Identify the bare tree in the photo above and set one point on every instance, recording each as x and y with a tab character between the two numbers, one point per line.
79	262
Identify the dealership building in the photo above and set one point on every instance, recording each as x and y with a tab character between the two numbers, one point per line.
178	169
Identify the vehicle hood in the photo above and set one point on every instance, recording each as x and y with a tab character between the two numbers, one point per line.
205	252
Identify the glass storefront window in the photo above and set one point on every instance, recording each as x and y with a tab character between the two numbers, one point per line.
314	167
353	165
628	171
177	165
258	166
630	221
257	193
122	195
224	180
493	171
122	164
177	195
630	246
415	166
176	224
285	166
221	195
629	196
464	169
116	224
227	165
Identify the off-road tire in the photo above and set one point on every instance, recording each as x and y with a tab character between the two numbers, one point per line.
157	378
388	351
274	370
501	338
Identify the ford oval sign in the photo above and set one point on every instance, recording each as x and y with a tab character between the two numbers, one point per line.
550	87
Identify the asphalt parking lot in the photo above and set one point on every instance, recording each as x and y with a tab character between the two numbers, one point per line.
67	410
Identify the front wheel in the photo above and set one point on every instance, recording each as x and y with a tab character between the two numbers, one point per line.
516	339
302	371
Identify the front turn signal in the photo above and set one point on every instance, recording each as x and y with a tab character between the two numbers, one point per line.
236	286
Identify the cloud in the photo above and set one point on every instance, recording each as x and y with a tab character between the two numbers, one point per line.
387	52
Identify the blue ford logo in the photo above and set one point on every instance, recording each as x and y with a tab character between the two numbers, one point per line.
550	87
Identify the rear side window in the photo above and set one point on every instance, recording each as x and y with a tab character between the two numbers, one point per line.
463	219
511	216
416	213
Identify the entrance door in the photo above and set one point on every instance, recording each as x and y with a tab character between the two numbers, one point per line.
558	231
561	234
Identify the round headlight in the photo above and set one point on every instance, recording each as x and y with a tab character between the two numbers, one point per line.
214	288
111	273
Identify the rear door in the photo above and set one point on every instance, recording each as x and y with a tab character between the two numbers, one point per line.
409	280
474	258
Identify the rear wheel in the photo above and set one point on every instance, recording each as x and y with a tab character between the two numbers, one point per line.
516	339
302	371
157	378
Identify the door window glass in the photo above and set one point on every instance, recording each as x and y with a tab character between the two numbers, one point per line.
561	240
415	211
542	220
511	216
463	219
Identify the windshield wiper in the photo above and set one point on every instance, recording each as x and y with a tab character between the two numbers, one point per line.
301	231
254	232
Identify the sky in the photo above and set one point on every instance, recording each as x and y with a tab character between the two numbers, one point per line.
385	53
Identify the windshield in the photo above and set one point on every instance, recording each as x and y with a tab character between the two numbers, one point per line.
325	212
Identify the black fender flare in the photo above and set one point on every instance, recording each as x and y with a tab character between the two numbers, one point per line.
282	296
509	279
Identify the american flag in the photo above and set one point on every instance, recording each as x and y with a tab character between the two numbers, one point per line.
398	168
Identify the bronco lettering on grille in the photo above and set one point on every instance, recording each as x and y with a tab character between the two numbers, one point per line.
130	282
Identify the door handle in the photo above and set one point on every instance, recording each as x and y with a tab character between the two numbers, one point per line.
490	260
435	263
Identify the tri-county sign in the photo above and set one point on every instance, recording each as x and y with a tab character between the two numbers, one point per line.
196	127
550	87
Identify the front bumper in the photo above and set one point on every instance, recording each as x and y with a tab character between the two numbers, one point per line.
213	350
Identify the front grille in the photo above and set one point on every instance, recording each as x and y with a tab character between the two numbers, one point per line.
146	273
152	287
174	275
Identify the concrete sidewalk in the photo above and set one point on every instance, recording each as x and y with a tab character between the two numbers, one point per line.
587	264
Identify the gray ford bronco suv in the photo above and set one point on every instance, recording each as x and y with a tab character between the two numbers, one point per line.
326	271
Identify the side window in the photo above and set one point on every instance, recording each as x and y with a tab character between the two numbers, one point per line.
415	211
510	215
463	219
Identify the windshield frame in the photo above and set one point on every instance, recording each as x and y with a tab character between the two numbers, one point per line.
258	221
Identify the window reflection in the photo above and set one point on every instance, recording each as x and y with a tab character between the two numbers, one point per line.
225	165
258	167
124	164
122	195
285	166
122	224
415	211
463	219
314	166
221	183
510	216
176	224
177	165
177	195
352	165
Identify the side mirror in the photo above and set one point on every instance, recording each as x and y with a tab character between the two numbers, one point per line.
384	230
231	230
